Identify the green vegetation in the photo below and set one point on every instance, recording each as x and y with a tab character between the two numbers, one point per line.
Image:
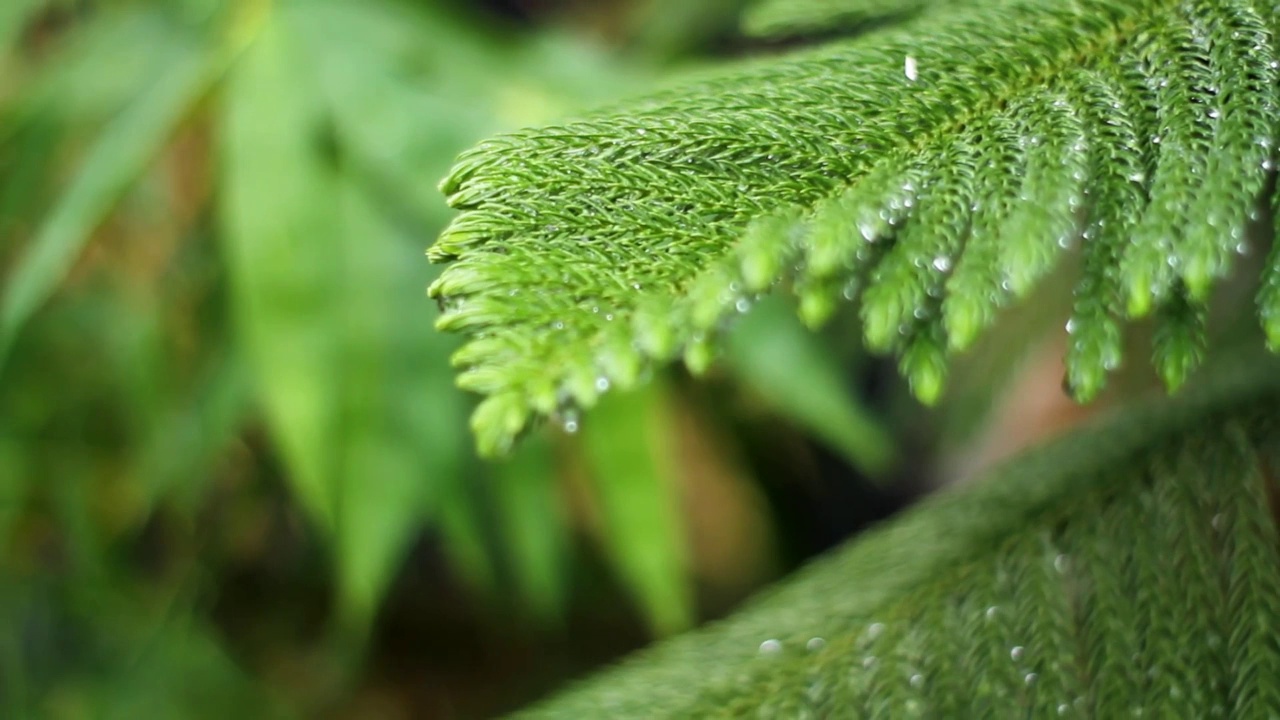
931	171
236	471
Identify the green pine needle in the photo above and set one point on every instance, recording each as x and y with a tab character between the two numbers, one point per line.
1129	570
934	171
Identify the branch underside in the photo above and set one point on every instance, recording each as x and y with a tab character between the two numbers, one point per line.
1132	569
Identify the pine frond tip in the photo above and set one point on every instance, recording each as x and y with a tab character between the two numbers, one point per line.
1137	133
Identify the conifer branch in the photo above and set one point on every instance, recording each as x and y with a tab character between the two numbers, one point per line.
1034	593
933	172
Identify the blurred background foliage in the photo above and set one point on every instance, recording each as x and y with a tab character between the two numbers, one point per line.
235	476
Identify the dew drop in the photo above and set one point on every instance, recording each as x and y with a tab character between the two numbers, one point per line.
992	612
942	263
742	305
770	647
1016	652
1217	521
1061	563
911	68
570	423
917	681
1063	709
1031	678
874	630
815	644
1072	326
602	384
869	662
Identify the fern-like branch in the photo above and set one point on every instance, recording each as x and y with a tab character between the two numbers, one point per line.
935	171
1132	569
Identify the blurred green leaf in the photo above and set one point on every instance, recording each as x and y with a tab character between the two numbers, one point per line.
797	375
119	155
633	467
279	214
406	88
25	169
359	392
14	486
403	422
531	518
462	529
188	433
668	29
89	78
14	15
101	648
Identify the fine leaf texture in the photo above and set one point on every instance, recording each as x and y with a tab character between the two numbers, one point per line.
934	172
1130	569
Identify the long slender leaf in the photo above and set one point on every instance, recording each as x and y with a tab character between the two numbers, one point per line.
530	516
798	376
633	465
461	526
403	430
279	214
360	396
120	154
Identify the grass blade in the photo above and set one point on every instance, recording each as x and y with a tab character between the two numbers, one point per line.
119	155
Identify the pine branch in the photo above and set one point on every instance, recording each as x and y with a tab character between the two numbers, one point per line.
1130	569
935	172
